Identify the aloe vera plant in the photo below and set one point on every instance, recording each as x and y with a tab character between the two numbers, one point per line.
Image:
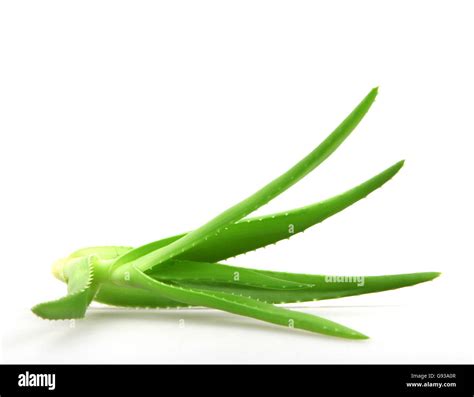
184	270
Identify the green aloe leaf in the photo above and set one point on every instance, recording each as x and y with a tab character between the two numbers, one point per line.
261	197
243	306
182	271
79	275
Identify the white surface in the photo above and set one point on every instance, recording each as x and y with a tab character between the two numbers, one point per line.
400	335
124	122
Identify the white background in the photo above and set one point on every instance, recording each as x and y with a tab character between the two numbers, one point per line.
123	122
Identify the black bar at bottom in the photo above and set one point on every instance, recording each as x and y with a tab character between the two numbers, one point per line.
446	380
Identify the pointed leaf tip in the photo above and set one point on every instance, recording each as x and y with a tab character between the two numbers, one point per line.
361	336
398	165
373	93
433	275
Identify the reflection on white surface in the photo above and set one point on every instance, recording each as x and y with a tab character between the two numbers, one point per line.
399	334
